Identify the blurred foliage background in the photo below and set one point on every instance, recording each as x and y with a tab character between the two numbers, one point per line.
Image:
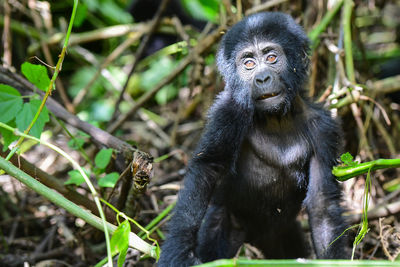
145	74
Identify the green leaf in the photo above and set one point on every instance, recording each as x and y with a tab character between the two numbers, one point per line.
202	9
393	188
392	185
101	110
80	16
347	159
75	178
155	117
166	94
114	13
10	103
8	136
92	5
120	238
78	140
122	256
157	249
157	71
36	74
25	117
76	143
161	158
109	180
103	158
80	79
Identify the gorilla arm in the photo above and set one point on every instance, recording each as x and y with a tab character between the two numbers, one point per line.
215	155
324	194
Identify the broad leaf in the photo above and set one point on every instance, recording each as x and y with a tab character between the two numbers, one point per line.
27	114
103	158
114	13
10	103
203	9
81	14
36	74
120	238
157	71
8	136
166	94
75	178
109	180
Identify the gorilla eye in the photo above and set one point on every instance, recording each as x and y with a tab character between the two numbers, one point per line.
249	64
271	58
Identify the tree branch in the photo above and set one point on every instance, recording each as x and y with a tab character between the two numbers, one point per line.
99	136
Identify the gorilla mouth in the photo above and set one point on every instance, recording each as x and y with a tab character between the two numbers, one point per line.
266	96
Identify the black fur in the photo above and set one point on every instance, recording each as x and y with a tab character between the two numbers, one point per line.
256	165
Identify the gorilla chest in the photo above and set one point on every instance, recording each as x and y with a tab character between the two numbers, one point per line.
272	159
271	176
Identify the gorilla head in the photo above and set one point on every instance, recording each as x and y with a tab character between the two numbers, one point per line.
268	52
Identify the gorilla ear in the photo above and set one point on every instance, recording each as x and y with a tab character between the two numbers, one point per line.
220	59
224	65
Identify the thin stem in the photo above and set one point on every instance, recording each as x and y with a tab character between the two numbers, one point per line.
321	27
156	220
66	204
348	8
51	84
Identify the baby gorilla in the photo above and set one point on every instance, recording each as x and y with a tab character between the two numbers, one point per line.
265	151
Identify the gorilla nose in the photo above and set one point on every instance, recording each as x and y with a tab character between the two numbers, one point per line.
262	79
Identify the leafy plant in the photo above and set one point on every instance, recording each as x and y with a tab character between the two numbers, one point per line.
102	159
16	113
156	72
120	241
203	9
351	168
347	160
76	177
26	115
36	74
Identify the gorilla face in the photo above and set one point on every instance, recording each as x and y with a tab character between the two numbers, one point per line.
260	65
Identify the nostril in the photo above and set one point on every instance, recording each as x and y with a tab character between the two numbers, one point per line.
263	79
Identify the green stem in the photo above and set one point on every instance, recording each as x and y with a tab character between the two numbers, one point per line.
70	206
364	224
123	215
87	180
304	262
156	220
101	224
348	8
345	173
51	84
321	27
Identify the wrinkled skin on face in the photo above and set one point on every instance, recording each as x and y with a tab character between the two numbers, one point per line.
260	66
